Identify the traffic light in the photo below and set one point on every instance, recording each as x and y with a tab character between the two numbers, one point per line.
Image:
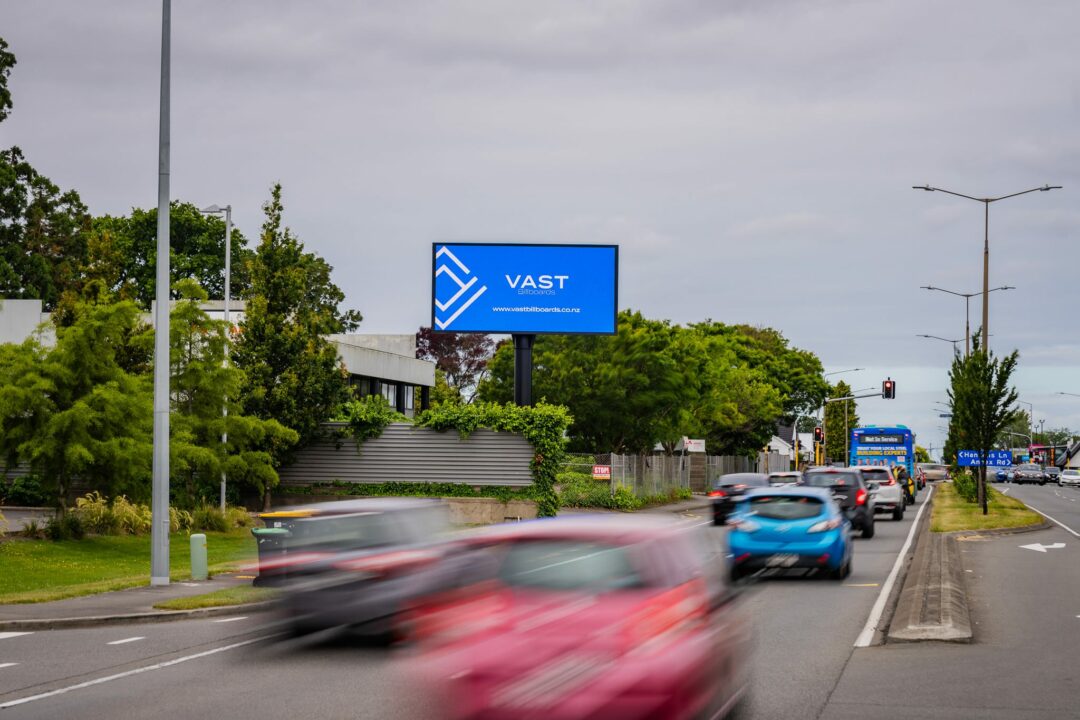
888	389
819	435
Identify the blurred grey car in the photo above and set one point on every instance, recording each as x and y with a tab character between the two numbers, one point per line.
783	478
358	564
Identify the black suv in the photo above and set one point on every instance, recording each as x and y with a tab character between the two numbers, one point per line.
1029	473
851	494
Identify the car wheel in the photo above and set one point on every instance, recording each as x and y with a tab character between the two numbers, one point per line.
736	574
868	530
1042	483
898	513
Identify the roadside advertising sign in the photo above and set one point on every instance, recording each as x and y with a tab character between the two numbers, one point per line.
524	289
995	458
601	472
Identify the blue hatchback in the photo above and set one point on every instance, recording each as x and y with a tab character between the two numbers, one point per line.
789	527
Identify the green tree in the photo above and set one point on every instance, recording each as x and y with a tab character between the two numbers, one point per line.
837	425
983	403
42	228
292	373
462	358
73	411
121	252
202	386
922	455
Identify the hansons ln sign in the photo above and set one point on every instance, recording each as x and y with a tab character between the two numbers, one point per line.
524	289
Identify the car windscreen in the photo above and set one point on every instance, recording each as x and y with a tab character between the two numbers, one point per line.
568	565
785	507
932	467
830	479
1030	468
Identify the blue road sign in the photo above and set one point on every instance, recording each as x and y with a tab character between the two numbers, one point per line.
502	288
995	458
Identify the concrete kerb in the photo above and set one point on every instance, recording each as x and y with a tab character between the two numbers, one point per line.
933	604
131	618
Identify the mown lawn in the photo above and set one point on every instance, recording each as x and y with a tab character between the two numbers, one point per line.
219	598
43	570
951	513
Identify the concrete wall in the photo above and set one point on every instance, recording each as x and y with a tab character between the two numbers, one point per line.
462	511
20	318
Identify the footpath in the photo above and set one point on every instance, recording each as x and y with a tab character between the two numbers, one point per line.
136	605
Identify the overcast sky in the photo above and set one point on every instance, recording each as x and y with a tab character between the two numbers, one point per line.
753	160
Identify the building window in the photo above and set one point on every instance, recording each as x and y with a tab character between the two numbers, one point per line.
409	397
388	390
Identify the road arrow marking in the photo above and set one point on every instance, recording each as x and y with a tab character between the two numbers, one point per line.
1039	547
6	635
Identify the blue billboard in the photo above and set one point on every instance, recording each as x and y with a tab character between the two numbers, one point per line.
524	289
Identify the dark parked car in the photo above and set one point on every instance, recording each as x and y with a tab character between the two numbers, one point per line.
356	564
851	494
1029	473
1053	473
727	490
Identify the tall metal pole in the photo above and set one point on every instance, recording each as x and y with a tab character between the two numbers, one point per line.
967	326
847	434
986	279
159	529
523	365
228	337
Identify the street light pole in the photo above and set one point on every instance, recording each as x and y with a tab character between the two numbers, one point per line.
967	310
935	337
215	210
986	245
159	498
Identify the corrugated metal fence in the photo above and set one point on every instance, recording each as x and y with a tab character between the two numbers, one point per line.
405	453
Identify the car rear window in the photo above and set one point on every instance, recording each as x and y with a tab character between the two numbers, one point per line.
750	480
932	467
830	479
785	507
568	565
875	473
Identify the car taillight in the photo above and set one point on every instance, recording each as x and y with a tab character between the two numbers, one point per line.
717	493
860	497
824	525
892	481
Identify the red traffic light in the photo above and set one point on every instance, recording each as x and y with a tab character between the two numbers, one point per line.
819	434
888	389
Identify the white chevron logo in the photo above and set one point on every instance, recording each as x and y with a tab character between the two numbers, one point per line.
464	286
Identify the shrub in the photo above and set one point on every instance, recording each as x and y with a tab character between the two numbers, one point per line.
26	491
3	525
179	520
31	529
238	517
209	518
966	486
65	527
132	519
96	515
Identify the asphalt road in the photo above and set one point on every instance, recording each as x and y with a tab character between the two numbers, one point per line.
1025	609
805	631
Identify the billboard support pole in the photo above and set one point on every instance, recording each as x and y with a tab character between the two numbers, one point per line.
523	346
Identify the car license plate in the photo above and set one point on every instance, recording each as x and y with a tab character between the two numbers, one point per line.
782	560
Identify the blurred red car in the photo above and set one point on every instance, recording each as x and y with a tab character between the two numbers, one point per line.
587	617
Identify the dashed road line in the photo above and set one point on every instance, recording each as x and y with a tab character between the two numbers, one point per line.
231	619
6	635
129	673
127	640
4	665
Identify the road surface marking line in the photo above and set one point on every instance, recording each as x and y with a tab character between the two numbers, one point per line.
232	619
127	640
6	635
129	673
867	635
1067	528
4	665
862	584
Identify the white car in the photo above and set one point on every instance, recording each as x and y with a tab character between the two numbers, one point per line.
889	496
1069	476
784	478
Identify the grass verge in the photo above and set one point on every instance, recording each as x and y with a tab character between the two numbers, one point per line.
240	595
43	570
951	513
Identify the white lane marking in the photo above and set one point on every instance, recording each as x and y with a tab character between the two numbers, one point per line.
1067	528
1039	547
4	665
127	640
867	635
6	635
129	673
232	619
1004	491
